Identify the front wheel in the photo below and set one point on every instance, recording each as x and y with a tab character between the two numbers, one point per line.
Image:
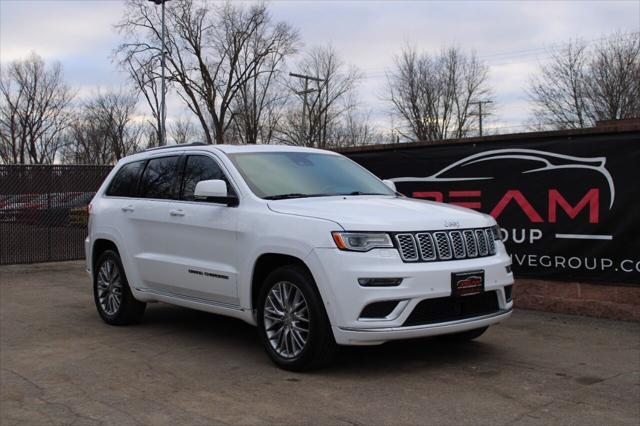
112	295
292	321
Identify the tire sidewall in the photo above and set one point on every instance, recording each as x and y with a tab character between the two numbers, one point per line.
318	323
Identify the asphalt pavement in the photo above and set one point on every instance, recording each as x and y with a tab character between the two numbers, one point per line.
60	364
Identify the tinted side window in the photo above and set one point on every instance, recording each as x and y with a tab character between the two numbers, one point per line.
159	179
125	182
197	168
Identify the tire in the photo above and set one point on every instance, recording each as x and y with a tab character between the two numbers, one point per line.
110	285
464	336
282	333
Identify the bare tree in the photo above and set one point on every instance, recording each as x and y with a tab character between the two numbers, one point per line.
213	51
105	130
331	101
258	104
559	90
614	78
183	131
432	95
146	80
34	101
580	85
355	129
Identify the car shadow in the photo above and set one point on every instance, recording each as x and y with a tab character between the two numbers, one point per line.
425	353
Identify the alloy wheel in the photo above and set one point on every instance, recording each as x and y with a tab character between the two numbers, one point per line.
286	319
109	287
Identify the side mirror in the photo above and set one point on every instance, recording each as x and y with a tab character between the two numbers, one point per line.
390	184
215	191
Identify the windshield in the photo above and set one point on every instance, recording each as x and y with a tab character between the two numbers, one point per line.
279	175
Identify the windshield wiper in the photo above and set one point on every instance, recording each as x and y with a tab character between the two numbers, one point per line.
362	193
285	196
301	195
295	195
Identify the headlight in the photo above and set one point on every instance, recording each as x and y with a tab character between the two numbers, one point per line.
361	241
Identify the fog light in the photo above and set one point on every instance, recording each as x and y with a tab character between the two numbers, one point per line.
379	282
508	268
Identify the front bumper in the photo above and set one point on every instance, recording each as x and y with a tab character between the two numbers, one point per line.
375	336
337	273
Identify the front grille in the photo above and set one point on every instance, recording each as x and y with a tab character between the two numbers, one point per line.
446	245
445	309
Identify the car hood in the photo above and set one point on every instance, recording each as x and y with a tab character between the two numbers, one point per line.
375	213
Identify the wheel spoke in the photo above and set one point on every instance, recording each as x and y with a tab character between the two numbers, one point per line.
272	305
297	338
273	318
278	298
116	302
297	327
281	338
284	293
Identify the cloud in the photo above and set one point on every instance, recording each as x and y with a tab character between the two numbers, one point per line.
510	36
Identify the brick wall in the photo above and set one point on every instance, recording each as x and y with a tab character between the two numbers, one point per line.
597	300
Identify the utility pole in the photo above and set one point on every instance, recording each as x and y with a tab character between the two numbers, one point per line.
163	103
305	92
479	103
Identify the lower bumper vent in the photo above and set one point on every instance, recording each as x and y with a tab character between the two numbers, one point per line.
378	309
508	293
445	309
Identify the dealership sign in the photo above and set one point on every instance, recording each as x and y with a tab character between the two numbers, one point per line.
568	209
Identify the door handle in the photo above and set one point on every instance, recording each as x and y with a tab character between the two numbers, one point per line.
176	212
128	208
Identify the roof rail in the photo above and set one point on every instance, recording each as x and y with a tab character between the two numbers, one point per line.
180	145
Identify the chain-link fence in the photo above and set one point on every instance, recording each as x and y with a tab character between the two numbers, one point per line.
43	211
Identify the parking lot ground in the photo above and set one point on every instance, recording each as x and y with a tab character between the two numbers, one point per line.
61	364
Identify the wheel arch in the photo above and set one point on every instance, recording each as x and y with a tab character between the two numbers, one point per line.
99	246
267	263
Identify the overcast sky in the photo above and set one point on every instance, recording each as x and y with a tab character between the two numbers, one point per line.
511	36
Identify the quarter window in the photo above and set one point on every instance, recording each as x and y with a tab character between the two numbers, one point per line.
198	168
160	178
125	182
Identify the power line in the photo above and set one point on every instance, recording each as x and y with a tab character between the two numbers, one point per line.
502	56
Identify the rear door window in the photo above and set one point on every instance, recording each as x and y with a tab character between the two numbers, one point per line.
198	168
125	182
160	178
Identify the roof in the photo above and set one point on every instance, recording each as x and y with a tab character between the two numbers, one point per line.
232	149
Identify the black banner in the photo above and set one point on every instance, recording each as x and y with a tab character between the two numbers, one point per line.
568	206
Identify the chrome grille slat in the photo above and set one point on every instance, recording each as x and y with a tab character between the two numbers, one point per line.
470	242
492	243
407	246
426	247
446	245
458	244
443	245
481	238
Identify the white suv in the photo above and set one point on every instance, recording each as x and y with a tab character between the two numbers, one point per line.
304	243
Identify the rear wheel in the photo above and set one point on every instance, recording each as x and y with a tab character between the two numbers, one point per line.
112	295
465	335
292	321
